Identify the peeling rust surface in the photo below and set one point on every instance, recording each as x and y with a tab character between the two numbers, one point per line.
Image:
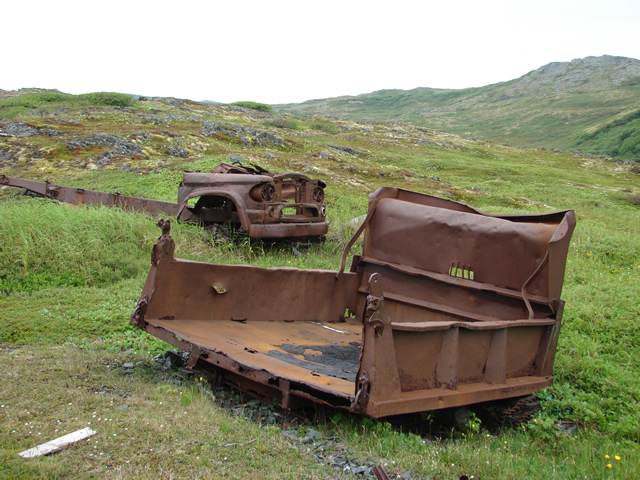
452	307
340	361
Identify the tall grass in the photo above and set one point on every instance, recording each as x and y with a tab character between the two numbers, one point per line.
51	244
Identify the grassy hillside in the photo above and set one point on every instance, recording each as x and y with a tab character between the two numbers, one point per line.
564	106
70	276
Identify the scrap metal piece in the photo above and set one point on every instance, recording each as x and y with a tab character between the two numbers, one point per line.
379	472
431	330
81	196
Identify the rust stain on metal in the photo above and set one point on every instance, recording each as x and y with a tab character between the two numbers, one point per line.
452	307
249	199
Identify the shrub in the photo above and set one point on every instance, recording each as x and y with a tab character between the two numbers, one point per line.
111	99
325	127
261	107
289	123
630	147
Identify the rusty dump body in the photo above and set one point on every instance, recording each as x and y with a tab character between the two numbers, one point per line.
264	205
446	306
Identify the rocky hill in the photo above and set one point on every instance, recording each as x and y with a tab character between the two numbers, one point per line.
115	142
590	104
583	74
49	135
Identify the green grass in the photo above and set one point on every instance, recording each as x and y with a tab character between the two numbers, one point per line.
146	427
75	247
535	450
70	277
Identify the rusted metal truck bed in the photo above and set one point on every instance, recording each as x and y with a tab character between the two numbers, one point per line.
446	306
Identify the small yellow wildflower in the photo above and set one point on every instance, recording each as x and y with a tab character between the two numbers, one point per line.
617	457
609	465
505	442
607	457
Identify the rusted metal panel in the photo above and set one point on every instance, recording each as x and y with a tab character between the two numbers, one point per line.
446	306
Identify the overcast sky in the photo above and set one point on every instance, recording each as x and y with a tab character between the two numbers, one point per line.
283	51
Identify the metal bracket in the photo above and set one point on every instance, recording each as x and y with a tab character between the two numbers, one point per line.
362	393
137	317
165	246
378	378
194	356
372	317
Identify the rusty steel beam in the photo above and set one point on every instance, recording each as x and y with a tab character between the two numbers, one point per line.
81	196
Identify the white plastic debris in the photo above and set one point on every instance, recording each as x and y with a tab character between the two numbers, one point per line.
57	444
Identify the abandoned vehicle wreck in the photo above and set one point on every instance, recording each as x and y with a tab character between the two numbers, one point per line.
445	306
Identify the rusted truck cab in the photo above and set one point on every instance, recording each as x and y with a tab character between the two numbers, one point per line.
445	306
254	201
